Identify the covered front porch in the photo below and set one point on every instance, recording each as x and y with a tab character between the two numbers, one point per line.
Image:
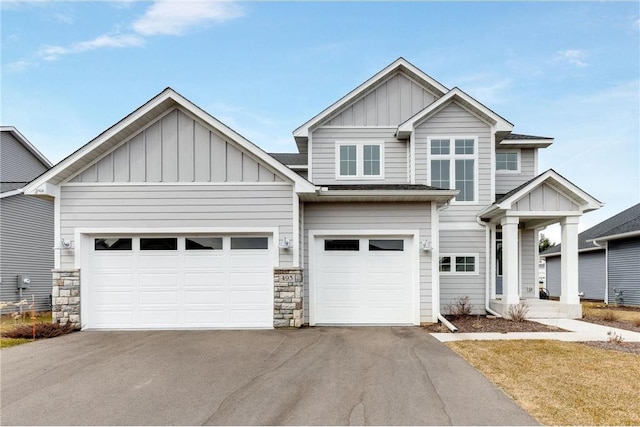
515	220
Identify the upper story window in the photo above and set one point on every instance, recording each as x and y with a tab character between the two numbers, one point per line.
359	160
454	165
508	161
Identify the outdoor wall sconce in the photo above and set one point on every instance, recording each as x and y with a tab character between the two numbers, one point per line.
63	244
284	243
425	246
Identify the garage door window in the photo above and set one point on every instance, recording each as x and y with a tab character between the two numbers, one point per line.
203	243
386	245
342	245
158	243
113	244
249	243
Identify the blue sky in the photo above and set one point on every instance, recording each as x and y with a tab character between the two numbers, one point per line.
569	70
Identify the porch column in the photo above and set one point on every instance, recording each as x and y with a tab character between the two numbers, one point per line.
569	260
510	260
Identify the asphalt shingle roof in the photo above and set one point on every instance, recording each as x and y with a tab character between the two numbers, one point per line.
520	136
624	222
373	187
290	159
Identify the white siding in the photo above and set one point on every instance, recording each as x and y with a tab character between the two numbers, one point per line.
159	206
324	154
507	181
388	104
177	148
373	216
453	120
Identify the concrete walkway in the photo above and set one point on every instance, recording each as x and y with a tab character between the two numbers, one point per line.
578	331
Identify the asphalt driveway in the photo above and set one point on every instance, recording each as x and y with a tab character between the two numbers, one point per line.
328	376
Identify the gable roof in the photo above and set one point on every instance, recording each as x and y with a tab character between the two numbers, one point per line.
165	101
25	142
516	140
291	159
463	99
621	224
399	65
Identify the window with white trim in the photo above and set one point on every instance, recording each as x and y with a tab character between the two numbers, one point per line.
454	166
459	263
359	160
508	161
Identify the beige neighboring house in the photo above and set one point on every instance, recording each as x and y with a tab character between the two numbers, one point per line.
403	195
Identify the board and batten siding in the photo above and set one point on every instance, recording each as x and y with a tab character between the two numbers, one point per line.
26	243
17	164
591	275
624	270
507	180
324	154
373	216
177	206
545	198
453	121
177	148
388	104
453	286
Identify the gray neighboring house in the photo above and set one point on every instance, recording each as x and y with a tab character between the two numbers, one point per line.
609	260
26	223
403	195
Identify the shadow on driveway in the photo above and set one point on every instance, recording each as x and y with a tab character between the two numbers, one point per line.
309	376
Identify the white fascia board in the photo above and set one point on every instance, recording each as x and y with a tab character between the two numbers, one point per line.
525	143
28	145
499	124
303	130
616	236
441	196
10	193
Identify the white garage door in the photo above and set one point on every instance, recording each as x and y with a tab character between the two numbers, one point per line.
363	281
180	282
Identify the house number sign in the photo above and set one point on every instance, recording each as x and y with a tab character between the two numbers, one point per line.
287	278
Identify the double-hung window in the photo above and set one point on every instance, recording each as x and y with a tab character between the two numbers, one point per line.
508	161
453	166
359	160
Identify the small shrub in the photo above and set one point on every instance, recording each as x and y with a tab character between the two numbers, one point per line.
43	330
461	307
610	316
614	337
518	312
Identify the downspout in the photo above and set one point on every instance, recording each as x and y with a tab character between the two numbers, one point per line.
487	268
436	263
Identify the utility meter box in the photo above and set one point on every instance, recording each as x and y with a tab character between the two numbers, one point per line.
24	281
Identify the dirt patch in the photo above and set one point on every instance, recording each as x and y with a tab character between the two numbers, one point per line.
488	324
620	324
625	347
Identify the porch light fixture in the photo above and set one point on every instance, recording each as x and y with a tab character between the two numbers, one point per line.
63	244
425	246
284	243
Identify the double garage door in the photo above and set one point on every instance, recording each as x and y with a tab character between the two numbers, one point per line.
363	280
139	282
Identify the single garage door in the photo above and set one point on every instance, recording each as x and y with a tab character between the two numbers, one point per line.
363	280
168	282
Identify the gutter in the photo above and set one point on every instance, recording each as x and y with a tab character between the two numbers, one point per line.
435	254
446	323
487	280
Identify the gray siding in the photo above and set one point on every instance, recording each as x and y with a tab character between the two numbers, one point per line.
26	242
591	275
454	120
177	148
453	286
17	164
528	266
373	216
545	198
159	206
624	270
324	154
388	104
507	181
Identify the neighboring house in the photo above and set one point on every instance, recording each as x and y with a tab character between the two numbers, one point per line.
609	260
26	223
404	195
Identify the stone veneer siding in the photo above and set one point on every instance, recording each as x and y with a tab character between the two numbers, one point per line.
66	297
287	300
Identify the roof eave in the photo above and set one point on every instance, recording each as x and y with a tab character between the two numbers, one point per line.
440	196
28	145
525	143
615	236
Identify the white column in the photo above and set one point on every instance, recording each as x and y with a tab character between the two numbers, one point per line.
510	258
569	260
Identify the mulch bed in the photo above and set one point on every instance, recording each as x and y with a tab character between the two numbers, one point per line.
486	324
620	324
626	347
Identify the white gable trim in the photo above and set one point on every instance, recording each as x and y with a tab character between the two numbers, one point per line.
301	184
465	101
25	142
398	64
10	193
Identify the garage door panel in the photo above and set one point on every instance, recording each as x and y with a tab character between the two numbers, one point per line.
249	259
204	297
113	318
249	296
155	281
204	279
111	281
159	297
158	261
250	317
161	316
206	315
119	261
105	299
204	261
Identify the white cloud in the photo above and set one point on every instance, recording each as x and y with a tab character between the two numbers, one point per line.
17	66
51	53
571	56
175	18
